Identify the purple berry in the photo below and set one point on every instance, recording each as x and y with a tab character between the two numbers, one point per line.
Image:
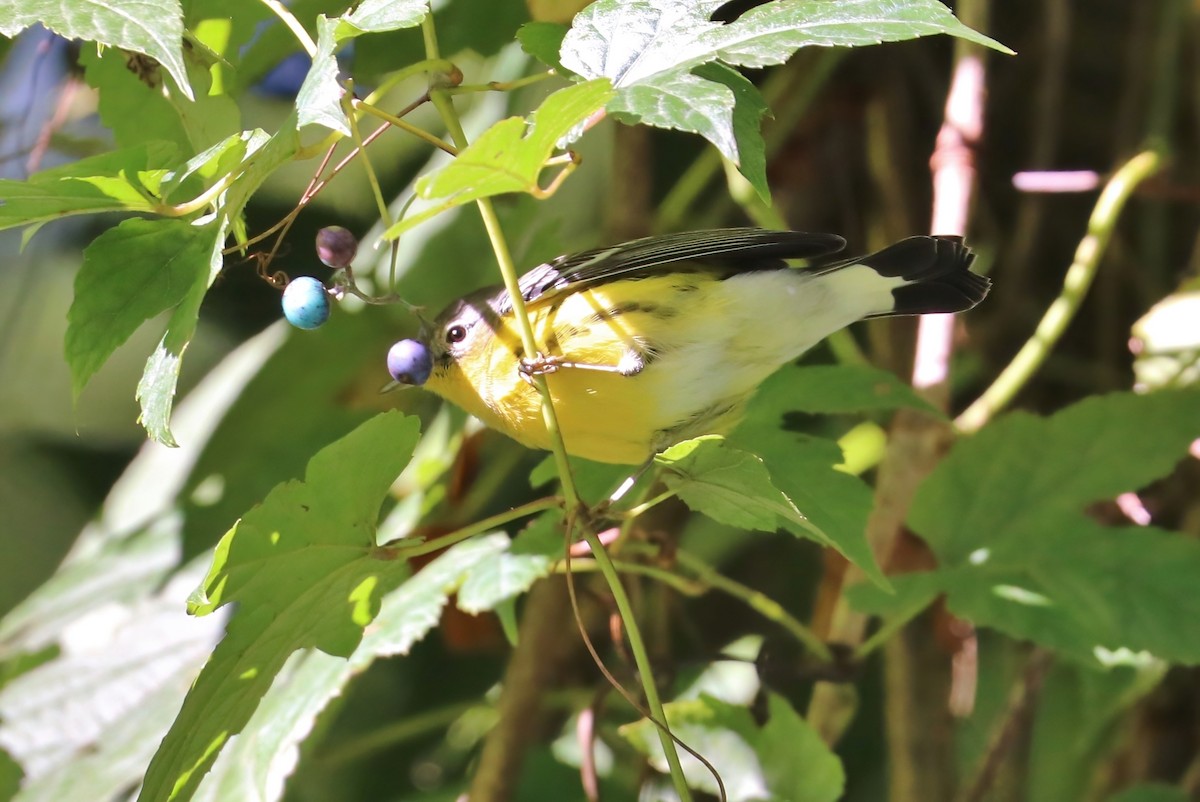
336	247
409	362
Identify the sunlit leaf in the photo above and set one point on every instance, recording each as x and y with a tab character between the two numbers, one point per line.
304	567
510	156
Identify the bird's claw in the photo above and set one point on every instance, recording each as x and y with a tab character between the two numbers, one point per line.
538	366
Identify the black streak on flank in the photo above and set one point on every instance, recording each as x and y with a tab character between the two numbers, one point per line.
569	332
623	309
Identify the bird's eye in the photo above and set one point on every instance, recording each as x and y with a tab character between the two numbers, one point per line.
456	334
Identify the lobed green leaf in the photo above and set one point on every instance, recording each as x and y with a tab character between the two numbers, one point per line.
651	51
304	567
1004	515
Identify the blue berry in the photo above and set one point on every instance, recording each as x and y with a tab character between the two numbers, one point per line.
409	362
305	303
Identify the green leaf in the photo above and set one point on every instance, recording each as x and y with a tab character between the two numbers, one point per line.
264	754
109	182
151	27
1021	468
133	111
770	33
650	50
277	423
784	760
319	101
802	467
515	569
731	486
140	111
543	40
130	273
156	389
728	485
831	389
749	107
256	763
305	570
1004	515
509	156
799	766
1080	706
1092	591
377	16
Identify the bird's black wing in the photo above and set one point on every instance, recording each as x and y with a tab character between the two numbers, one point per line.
729	250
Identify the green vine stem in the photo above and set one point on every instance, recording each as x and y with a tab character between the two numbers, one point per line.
445	106
293	24
1075	286
407	549
759	602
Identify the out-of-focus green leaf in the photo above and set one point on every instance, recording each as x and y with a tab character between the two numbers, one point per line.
257	762
151	27
133	111
514	570
1004	515
277	422
831	389
123	669
262	756
10	776
785	759
1166	341
1082	707
1022	470
543	40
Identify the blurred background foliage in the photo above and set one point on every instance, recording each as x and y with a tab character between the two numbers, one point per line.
849	149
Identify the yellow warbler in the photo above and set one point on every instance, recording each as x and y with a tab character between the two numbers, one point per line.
661	339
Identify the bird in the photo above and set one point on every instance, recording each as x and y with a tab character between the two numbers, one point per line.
650	342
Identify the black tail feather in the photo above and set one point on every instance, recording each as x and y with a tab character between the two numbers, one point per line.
938	271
